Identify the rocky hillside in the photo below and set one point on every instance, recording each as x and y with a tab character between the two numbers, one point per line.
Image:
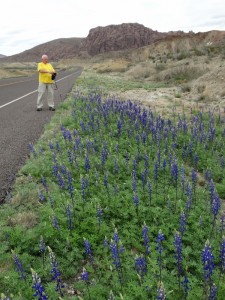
56	50
134	39
99	40
122	37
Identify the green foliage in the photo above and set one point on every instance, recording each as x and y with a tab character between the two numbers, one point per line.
102	157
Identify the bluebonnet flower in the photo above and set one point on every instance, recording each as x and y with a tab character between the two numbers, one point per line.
55	170
149	191
32	149
38	287
115	254
135	165
56	275
211	189
140	265
136	200
99	215
55	223
87	164
134	181
174	171
182	177
42	245
161	293
82	125
104	153
160	238
61	182
116	237
222	162
156	171
69	214
88	250
183	218
143	179
70	157
117	148
58	147
85	276
51	146
106	183
185	284
213	292
196	159
70	184
106	242
19	267
119	126
41	150
146	239
116	166
178	252
215	205
41	196
222	256
208	261
194	177
43	180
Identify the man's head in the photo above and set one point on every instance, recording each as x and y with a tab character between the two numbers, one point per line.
44	58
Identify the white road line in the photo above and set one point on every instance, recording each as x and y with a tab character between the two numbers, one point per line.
17	99
8	103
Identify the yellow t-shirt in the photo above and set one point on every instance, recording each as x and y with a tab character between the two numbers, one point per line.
45	77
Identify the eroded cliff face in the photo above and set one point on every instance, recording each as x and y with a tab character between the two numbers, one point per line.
122	37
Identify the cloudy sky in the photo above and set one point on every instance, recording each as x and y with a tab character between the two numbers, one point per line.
28	23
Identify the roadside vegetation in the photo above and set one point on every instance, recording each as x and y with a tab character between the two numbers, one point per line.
117	201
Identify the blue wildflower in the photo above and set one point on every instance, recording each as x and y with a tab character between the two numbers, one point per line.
140	265
56	275
38	287
161	293
88	250
178	252
146	239
208	261
183	218
19	267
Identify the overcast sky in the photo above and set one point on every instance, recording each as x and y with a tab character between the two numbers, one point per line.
28	23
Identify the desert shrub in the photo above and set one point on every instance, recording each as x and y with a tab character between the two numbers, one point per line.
185	88
201	88
160	67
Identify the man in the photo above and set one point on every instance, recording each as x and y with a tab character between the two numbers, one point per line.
45	71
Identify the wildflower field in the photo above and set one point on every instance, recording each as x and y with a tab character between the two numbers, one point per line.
118	202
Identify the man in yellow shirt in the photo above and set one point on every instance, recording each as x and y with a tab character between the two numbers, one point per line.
45	70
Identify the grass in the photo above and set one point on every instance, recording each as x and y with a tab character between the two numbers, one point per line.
116	202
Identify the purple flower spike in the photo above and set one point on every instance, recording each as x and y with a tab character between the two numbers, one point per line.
208	261
161	294
38	287
85	276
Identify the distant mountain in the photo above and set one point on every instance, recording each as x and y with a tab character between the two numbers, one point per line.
111	38
1	55
56	50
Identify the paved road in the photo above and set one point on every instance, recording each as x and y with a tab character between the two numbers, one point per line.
21	124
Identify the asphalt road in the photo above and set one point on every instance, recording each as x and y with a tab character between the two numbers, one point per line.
21	124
